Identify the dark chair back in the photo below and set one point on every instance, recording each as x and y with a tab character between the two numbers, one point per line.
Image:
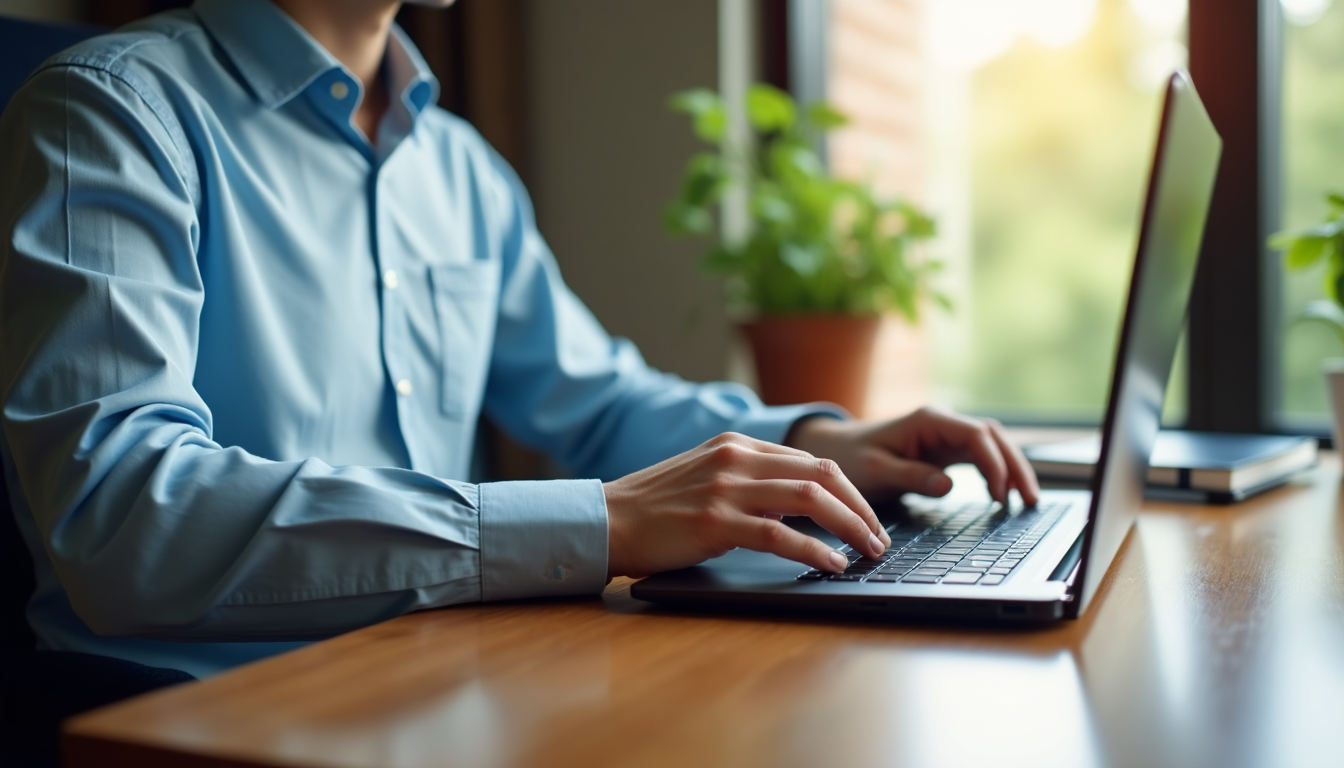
23	46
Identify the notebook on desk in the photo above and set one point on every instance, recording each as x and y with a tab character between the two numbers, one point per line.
983	561
1212	466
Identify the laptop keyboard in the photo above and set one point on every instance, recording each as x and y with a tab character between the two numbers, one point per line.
976	543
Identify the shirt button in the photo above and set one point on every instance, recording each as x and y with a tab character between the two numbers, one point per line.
404	387
390	279
339	90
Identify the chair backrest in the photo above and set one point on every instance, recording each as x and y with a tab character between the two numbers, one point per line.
23	46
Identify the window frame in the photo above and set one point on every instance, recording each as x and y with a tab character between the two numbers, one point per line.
1234	328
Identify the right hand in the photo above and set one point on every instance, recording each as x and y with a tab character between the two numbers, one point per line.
731	492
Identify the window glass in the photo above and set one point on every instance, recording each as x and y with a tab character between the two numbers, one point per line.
1035	121
1313	157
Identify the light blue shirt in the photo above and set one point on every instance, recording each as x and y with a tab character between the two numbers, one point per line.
243	352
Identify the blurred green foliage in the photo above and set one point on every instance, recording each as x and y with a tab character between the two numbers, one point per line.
1321	248
1061	139
817	244
1313	155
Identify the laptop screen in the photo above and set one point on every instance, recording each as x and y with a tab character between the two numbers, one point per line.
1174	213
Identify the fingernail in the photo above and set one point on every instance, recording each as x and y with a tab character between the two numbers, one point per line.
839	561
876	544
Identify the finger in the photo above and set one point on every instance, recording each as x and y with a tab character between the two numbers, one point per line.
827	474
1020	472
771	536
908	475
807	497
988	458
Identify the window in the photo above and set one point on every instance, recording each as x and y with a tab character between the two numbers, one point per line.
1026	127
1313	159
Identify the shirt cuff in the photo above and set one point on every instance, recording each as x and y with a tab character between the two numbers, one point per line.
772	424
543	538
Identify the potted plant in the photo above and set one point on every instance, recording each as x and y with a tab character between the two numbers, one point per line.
824	258
1304	249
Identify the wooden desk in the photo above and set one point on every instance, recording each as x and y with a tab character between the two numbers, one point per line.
1217	641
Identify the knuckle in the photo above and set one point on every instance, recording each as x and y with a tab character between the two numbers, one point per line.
731	454
861	531
773	534
726	438
709	519
992	422
808	491
721	486
828	469
723	438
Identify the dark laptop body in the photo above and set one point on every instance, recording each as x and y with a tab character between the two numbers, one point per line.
1073	546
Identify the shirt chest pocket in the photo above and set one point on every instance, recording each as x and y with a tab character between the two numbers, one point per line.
466	298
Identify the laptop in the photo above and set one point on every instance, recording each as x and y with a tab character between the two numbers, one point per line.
983	561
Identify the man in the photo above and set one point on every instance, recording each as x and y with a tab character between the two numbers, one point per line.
256	290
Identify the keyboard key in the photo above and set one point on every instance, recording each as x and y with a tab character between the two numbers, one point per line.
991	580
919	579
957	577
812	576
1000	571
885	577
846	577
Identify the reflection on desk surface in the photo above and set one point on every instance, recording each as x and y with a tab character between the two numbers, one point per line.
1217	641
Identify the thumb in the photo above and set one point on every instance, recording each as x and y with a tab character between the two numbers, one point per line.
891	471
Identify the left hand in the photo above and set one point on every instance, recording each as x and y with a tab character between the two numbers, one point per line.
910	453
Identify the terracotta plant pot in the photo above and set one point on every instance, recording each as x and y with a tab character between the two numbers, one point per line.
805	358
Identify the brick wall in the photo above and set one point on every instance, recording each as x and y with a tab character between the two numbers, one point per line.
876	77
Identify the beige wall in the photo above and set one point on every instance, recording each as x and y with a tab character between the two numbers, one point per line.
604	155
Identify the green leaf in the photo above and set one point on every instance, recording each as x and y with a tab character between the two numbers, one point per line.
824	117
705	179
682	219
721	260
1336	202
1303	251
708	113
802	259
770	109
1322	311
772	209
1326	229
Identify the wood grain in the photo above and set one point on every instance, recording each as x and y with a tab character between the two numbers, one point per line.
1218	640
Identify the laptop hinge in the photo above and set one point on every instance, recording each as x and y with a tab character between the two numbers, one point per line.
1067	569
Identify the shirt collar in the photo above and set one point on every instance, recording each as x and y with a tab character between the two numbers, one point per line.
279	59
